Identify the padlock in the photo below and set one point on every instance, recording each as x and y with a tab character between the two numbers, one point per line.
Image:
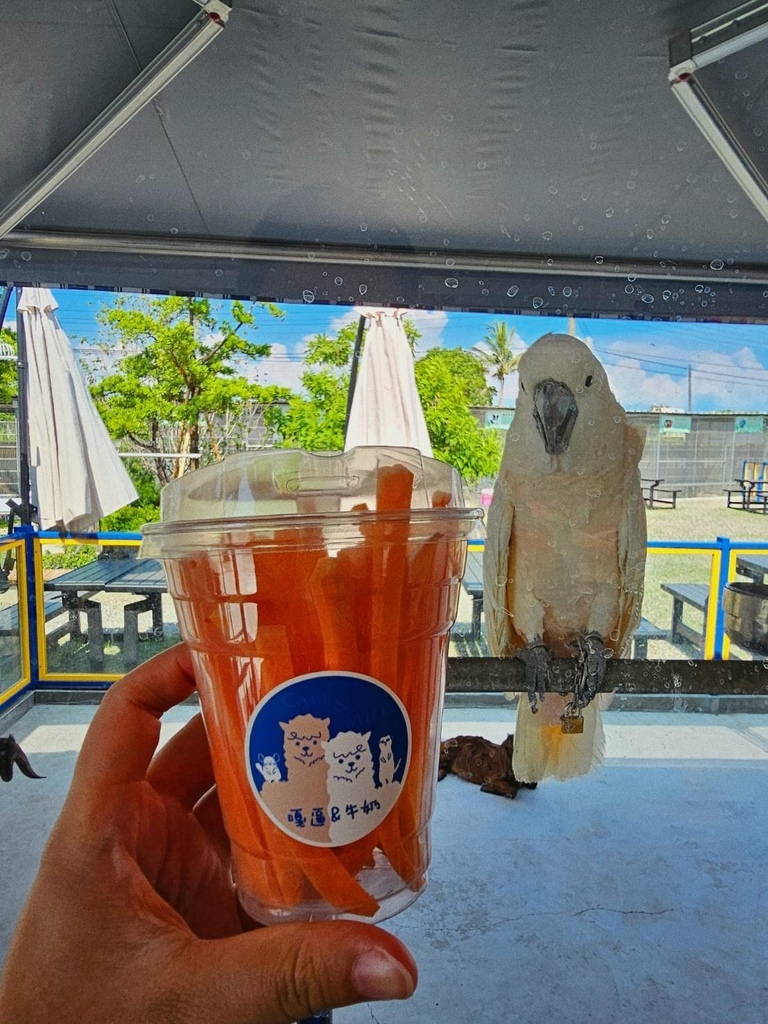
571	720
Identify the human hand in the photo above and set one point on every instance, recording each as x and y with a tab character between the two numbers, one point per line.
133	918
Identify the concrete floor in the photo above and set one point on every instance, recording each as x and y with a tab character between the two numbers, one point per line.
637	895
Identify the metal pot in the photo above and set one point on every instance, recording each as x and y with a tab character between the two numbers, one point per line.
746	616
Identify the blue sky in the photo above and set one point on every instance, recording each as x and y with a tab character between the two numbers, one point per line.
646	361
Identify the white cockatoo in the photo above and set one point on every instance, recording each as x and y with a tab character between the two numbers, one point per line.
565	550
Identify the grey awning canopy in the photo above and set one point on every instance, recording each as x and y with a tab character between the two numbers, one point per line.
517	155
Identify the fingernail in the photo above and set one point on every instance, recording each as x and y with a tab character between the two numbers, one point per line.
377	975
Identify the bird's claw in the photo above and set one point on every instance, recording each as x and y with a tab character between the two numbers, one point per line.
536	658
593	656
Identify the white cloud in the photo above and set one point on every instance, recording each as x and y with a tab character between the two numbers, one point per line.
278	368
431	323
736	381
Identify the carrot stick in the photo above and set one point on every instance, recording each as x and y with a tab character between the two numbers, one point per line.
394	489
334	598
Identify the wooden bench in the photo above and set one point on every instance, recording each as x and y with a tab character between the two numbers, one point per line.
654	494
9	617
697	596
473	584
646	631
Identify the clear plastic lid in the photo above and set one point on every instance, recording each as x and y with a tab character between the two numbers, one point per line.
273	483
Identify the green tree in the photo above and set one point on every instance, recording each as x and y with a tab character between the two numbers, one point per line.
449	381
8	380
495	351
316	419
178	374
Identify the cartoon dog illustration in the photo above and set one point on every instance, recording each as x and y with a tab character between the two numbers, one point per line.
302	741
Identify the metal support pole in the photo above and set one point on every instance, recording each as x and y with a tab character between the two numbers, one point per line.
191	41
353	369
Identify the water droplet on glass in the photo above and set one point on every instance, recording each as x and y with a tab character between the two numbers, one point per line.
451	282
647	297
3	254
26	256
218	272
512	292
547	236
716	265
609	212
595	493
174	231
363	288
338	280
450	263
598	259
567	291
538	302
308	296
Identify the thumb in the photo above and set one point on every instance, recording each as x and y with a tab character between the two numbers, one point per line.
280	974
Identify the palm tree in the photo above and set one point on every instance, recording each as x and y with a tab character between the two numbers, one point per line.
498	357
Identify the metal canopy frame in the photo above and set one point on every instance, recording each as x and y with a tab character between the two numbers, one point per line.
702	46
183	49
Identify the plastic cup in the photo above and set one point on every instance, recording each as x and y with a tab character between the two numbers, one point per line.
318	609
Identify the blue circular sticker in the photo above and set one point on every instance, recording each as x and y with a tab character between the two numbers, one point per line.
327	755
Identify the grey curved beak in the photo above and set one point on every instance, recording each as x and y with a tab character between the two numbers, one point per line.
555	411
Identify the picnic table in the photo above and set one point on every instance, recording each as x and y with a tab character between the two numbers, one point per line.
143	577
752	493
695	595
654	494
754	567
749	495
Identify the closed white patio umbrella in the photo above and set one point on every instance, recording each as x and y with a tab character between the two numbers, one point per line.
76	475
386	408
